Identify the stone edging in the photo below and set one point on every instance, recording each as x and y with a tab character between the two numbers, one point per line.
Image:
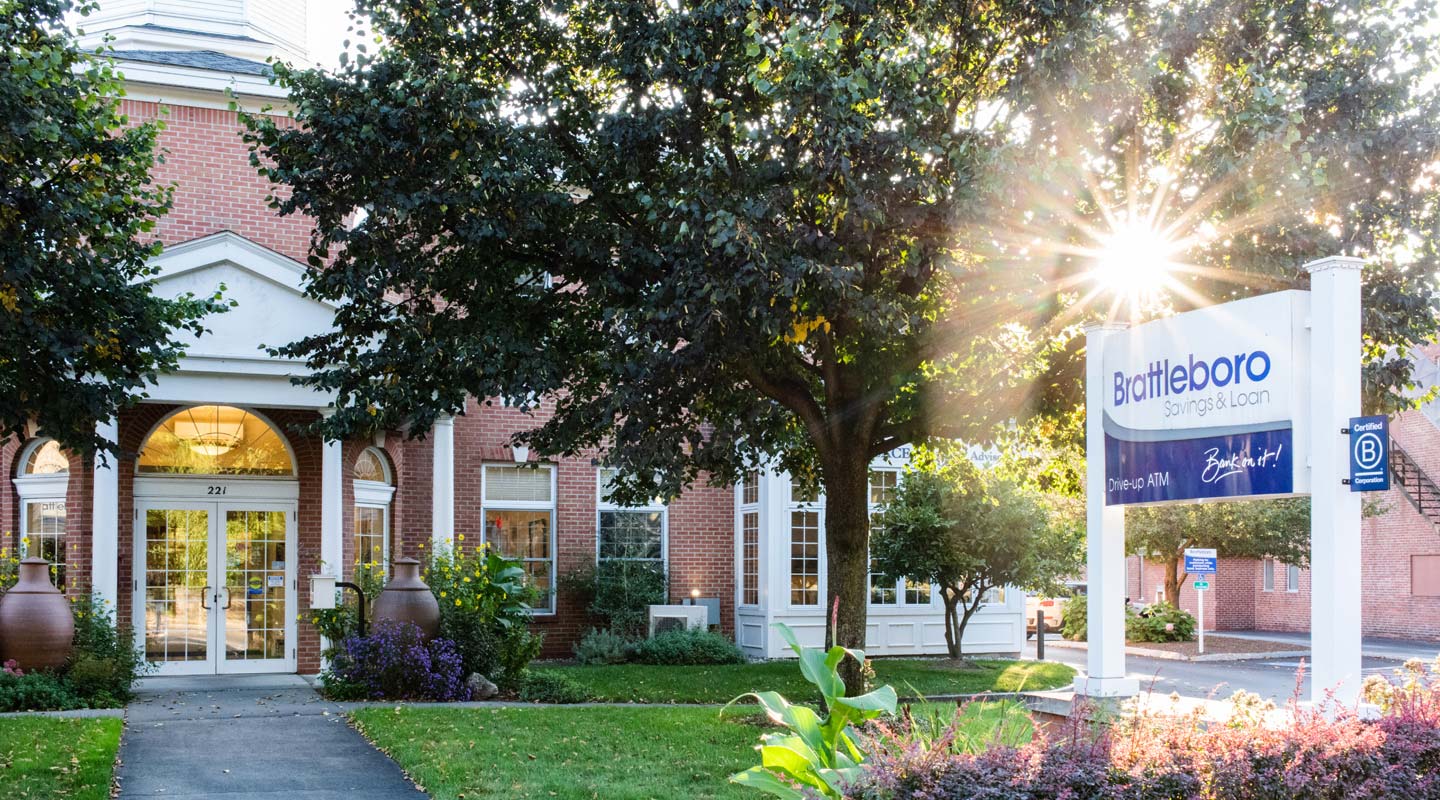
76	713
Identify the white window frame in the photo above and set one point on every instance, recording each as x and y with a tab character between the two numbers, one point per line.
746	511
1292	578
487	505
602	505
901	588
818	510
40	489
375	494
1267	575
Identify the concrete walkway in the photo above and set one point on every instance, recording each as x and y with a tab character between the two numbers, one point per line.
1370	646
249	738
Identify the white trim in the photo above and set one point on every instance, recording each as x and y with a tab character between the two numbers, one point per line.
384	509
231	247
216	487
42	487
373	493
602	505
105	522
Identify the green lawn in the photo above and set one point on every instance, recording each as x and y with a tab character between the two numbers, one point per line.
642	683
571	753
45	757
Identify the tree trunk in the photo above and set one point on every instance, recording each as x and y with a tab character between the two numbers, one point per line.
847	557
1173	579
952	636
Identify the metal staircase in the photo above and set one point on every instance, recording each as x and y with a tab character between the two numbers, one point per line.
1422	492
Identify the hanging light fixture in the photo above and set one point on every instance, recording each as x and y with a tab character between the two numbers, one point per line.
210	437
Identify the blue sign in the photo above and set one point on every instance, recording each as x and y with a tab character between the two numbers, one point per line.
1237	464
1200	565
1369	454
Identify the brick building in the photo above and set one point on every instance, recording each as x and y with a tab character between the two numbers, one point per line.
1400	553
205	530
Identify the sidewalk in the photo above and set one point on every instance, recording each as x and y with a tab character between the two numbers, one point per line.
1370	646
248	738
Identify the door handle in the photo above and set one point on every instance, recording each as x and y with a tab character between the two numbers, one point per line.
226	590
204	593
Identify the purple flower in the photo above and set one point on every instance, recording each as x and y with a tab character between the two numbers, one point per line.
394	662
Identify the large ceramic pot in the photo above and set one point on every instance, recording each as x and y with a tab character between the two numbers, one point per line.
406	598
37	627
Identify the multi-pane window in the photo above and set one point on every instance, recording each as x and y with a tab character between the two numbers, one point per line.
370	538
1267	572
884	483
42	484
44	535
519	509
750	558
882	591
1292	578
750	489
804	558
633	533
374	490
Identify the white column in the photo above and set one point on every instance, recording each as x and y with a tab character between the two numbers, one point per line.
442	490
105	523
1105	540
332	509
1334	509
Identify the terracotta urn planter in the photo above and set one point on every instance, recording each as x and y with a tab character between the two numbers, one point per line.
406	598
37	627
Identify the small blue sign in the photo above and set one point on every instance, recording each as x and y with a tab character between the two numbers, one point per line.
1199	566
1369	454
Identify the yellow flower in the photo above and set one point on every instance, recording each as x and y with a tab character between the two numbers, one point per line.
460	536
442	593
457	602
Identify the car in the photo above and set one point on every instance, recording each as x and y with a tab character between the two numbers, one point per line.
1052	606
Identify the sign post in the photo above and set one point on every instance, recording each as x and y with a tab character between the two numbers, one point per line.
1242	400
1202	562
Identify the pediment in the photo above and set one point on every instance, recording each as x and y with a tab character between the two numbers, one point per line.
270	308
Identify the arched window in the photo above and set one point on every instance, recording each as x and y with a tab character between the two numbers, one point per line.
41	483
374	489
215	440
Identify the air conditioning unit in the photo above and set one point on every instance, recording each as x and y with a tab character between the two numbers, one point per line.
675	618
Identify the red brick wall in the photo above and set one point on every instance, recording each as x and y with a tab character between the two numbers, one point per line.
216	188
701	533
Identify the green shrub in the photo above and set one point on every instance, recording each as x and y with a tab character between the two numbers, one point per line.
1160	622
603	647
690	646
541	686
1075	624
483	598
36	691
518	647
619	593
105	661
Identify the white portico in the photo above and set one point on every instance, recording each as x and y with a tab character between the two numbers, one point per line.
205	537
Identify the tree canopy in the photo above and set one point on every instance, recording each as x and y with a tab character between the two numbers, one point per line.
968	531
81	333
728	232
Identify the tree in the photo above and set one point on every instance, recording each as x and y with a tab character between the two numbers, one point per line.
969	531
80	331
805	234
1278	529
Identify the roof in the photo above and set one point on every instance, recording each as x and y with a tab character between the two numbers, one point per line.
197	59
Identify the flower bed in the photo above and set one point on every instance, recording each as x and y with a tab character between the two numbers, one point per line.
1139	758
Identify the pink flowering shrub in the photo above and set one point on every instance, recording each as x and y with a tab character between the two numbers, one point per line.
1302	756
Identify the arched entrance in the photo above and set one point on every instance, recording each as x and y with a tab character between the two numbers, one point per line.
215	550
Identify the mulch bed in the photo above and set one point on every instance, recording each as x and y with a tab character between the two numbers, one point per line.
1216	644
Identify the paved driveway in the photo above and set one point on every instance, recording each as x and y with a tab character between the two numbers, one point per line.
249	738
1272	679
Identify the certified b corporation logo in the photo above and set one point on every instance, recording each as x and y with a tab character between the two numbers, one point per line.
1369	450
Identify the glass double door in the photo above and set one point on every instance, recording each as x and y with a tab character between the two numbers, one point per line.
216	587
